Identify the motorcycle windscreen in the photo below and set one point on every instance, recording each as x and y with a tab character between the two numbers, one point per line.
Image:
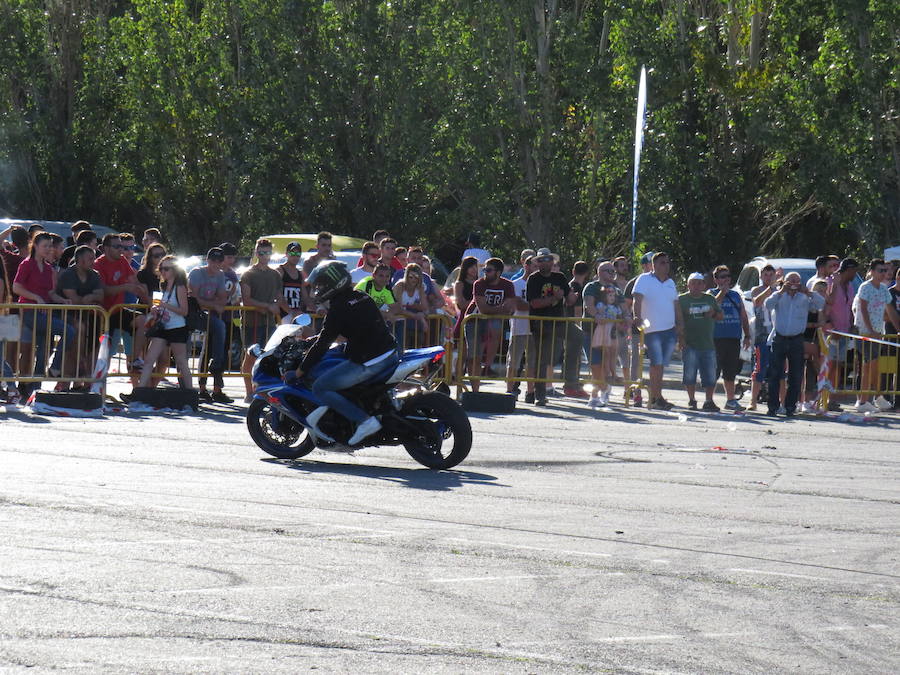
280	333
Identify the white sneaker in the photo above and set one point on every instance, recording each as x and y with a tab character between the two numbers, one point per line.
365	429
594	402
604	395
882	403
808	407
312	420
865	407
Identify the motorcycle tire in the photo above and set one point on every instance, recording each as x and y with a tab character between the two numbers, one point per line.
277	444
449	422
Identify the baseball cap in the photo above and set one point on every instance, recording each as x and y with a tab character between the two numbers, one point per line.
647	258
848	264
696	276
294	247
545	254
228	248
215	253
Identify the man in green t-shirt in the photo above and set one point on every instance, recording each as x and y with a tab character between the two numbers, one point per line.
699	312
376	287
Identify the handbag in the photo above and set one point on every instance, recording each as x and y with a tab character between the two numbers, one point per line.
153	328
196	319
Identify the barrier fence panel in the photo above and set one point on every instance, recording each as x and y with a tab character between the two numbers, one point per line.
46	342
859	366
127	340
435	329
572	350
218	349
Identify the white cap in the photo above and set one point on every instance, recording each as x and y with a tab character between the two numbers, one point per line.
696	276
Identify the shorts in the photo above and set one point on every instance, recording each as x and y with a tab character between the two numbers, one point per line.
728	357
174	336
256	328
660	346
702	361
838	345
869	351
483	329
761	355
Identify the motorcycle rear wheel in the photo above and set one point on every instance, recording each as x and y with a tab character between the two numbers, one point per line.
443	423
281	444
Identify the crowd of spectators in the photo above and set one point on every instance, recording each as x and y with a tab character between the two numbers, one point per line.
523	314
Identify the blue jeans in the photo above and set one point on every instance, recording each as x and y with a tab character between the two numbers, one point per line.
344	376
702	360
214	350
790	348
6	368
660	346
36	321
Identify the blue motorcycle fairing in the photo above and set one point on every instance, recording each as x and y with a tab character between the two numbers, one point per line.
273	389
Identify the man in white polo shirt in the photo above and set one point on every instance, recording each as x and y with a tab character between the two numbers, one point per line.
656	308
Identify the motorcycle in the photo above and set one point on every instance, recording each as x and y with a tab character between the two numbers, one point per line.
432	427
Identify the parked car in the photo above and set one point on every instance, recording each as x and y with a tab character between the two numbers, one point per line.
308	242
62	228
749	276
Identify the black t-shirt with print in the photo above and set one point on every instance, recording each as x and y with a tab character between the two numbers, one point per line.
540	286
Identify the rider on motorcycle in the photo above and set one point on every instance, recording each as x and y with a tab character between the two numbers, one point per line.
370	347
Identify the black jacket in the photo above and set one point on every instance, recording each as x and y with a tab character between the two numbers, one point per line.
355	316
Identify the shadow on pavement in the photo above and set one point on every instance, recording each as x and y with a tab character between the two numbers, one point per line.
419	479
14	413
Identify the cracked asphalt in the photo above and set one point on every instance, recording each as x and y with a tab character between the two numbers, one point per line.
569	541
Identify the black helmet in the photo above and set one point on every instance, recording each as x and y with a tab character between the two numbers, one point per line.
328	279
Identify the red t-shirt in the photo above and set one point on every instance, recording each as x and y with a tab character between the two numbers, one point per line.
36	278
11	262
494	294
113	273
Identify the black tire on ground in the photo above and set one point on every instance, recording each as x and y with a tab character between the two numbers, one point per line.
442	388
487	402
442	422
166	397
291	445
75	400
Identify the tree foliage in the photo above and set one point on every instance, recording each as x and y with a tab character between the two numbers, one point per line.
773	127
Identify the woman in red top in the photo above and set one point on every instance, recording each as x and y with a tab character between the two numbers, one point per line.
35	284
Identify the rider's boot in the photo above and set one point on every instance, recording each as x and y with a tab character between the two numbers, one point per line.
366	428
312	420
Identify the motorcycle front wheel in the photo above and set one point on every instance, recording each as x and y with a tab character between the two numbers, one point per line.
443	434
280	437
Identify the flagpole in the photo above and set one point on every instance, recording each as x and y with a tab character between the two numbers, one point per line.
639	124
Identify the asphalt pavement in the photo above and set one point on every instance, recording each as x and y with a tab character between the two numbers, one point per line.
571	540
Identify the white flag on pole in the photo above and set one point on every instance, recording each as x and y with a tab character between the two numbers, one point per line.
639	124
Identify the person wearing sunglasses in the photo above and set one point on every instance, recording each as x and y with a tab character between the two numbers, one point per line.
207	291
873	302
118	279
170	312
261	293
371	252
729	330
293	281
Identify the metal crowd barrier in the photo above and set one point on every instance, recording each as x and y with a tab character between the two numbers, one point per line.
243	326
47	342
558	350
855	365
439	332
238	324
